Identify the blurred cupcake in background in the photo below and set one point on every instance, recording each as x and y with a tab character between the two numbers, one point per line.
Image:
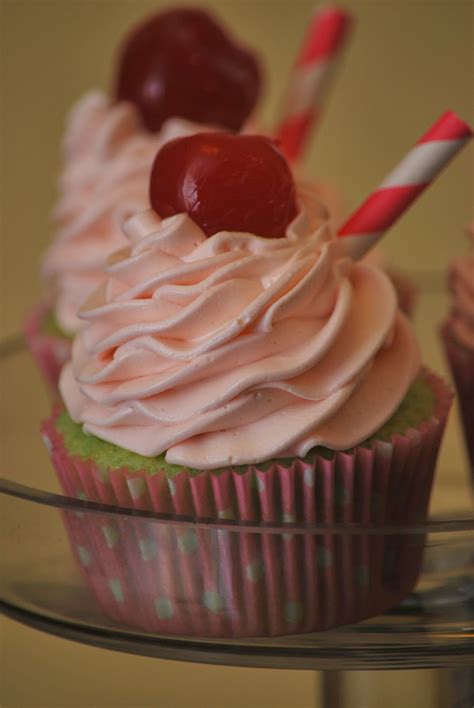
458	337
178	73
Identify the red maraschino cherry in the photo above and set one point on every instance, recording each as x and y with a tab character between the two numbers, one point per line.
182	63
225	183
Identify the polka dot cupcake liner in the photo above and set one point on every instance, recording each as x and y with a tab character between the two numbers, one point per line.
461	363
49	352
196	580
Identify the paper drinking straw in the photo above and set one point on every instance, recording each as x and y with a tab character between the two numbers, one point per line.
310	79
433	151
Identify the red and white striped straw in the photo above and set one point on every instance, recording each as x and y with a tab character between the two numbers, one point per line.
310	78
404	184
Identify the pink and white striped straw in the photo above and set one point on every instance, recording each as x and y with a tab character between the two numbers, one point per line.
404	184
310	78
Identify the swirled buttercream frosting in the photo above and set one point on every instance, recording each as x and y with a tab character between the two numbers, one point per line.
236	349
108	157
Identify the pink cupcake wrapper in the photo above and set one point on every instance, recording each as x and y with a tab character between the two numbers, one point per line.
461	363
49	352
184	579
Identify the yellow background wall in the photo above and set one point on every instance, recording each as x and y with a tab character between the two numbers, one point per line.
408	61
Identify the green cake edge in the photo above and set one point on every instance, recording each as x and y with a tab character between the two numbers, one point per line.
417	406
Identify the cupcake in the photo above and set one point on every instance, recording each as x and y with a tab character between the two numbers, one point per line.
233	366
108	150
458	338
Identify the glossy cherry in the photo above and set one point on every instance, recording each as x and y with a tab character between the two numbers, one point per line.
225	183
182	63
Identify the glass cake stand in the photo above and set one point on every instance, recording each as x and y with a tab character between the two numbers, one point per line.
48	579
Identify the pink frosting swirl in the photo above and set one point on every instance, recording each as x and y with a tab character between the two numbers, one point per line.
236	349
461	281
95	133
108	157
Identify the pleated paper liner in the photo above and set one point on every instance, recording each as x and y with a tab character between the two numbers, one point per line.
50	352
461	363
189	580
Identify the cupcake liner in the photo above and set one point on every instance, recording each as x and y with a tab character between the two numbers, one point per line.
190	579
49	352
461	363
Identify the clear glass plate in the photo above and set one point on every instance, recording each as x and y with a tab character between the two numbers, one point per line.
168	587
